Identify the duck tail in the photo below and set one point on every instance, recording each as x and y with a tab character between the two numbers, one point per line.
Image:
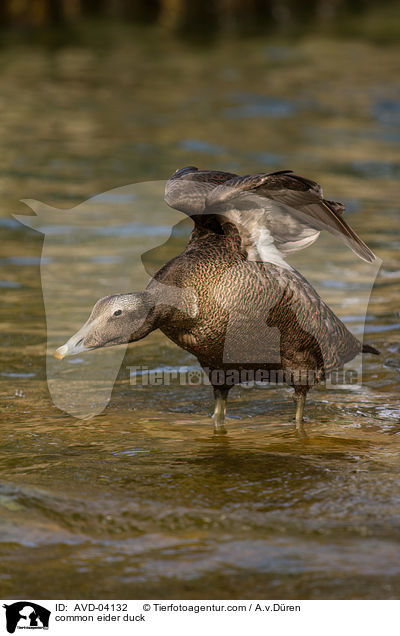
369	349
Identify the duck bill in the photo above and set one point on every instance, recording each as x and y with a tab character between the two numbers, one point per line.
75	344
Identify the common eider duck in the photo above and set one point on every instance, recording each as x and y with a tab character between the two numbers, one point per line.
230	298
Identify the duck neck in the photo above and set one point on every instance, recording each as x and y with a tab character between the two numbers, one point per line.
164	301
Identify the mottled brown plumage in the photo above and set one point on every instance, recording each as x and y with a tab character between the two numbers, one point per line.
218	300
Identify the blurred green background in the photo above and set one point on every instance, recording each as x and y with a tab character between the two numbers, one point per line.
196	19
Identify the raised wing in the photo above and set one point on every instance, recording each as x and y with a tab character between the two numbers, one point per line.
275	213
187	190
294	210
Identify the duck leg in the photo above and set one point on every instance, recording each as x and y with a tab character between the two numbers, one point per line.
220	397
300	400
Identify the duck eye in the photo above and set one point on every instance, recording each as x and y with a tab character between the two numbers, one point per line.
118	312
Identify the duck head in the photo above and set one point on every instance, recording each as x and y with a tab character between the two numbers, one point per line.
116	319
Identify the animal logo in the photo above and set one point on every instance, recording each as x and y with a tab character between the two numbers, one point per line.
26	615
113	242
195	377
89	251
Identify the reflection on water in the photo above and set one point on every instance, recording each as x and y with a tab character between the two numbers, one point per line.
143	501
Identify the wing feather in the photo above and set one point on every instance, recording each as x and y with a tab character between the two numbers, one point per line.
275	213
301	198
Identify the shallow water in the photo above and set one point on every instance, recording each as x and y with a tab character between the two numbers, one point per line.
142	500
